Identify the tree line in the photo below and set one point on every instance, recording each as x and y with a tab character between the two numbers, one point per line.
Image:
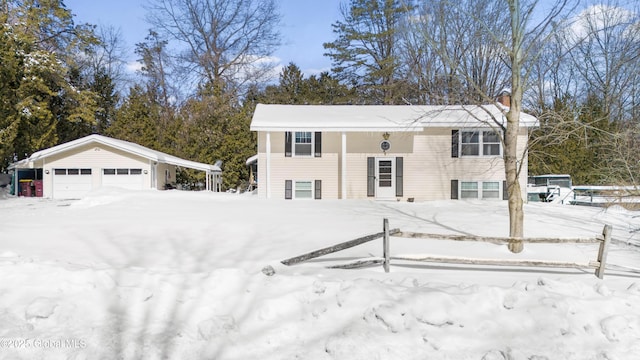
205	64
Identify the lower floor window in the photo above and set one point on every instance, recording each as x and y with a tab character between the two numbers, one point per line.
468	190
490	190
479	190
303	190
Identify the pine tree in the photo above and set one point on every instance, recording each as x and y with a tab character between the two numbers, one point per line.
366	49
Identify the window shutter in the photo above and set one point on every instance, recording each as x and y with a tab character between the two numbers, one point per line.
505	191
318	144
371	176
454	189
288	187
318	191
455	139
399	168
287	144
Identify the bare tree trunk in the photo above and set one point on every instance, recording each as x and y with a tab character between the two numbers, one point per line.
516	212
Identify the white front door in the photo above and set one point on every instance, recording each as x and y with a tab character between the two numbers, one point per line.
385	178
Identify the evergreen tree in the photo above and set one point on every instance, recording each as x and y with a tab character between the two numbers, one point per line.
136	119
366	49
41	99
294	89
572	139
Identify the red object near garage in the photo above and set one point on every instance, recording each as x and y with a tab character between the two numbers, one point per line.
25	187
38	186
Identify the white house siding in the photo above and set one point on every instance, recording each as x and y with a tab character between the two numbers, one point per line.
95	157
428	165
324	168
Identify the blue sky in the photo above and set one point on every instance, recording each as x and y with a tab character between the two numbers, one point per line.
306	25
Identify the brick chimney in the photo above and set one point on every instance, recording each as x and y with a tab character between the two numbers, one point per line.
504	98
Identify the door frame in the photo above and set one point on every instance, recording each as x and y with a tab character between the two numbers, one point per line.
385	192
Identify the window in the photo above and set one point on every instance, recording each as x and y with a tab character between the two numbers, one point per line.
490	190
60	171
468	190
490	143
85	171
303	144
109	171
303	190
73	171
122	171
479	190
478	143
135	171
470	143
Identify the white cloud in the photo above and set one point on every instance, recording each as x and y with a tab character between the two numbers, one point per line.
133	66
599	17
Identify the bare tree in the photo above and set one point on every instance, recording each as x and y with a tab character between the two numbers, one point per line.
456	60
516	40
110	55
225	41
604	47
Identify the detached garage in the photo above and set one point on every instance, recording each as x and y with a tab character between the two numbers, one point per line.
71	170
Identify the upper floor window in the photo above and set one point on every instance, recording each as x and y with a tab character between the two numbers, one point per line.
475	143
303	143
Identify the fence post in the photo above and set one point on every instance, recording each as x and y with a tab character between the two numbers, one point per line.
385	244
602	252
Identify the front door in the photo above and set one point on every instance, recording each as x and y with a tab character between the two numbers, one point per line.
385	178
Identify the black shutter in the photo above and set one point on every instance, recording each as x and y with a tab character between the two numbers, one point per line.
505	191
288	187
455	139
287	144
454	189
399	168
318	191
371	176
318	144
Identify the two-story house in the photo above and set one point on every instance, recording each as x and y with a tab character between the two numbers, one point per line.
384	152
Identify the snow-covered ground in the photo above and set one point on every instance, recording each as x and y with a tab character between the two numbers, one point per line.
179	275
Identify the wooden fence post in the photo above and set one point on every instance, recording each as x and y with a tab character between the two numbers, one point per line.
604	249
385	244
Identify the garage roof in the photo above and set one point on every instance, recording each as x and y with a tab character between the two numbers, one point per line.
126	146
377	117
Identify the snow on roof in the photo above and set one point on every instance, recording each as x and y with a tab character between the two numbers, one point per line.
377	117
126	146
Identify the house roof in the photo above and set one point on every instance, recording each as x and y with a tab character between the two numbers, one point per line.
377	117
126	146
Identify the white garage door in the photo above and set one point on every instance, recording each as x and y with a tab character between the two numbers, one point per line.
71	183
123	178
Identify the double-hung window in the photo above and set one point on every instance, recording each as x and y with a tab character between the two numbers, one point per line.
491	190
479	190
303	190
470	143
303	143
490	143
479	143
469	190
